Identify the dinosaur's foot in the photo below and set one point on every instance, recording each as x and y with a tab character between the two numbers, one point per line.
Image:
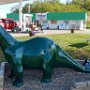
10	76
17	84
87	63
87	66
46	80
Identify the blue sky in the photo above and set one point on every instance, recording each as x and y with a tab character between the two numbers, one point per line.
4	9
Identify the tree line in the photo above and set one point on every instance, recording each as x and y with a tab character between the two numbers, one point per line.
55	6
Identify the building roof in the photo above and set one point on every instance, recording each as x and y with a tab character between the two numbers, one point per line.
67	16
34	16
14	16
55	16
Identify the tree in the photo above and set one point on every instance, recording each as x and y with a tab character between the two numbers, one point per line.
25	8
85	4
40	7
73	8
16	11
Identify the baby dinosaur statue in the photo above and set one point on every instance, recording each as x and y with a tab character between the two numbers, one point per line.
37	53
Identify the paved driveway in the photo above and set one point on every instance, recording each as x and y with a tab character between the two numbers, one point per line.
50	32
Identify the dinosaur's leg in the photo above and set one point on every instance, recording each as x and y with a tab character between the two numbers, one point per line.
47	68
18	70
11	75
47	72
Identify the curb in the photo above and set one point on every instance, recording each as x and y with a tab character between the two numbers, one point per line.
2	71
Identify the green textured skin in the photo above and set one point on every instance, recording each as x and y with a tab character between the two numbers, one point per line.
37	53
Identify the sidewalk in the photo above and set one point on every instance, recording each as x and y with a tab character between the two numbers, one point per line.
51	32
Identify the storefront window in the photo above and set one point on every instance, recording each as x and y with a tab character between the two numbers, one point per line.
66	22
53	22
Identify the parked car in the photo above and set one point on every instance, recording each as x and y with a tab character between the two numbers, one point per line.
10	24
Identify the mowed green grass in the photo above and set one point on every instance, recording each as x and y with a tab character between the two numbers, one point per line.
74	44
88	24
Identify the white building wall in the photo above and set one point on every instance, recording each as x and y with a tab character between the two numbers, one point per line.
60	24
52	25
67	24
81	25
75	24
63	24
85	24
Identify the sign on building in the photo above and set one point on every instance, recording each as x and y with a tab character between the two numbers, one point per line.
41	16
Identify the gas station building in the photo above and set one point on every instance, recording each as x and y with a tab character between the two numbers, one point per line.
61	20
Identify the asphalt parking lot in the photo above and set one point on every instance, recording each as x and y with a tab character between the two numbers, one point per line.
50	32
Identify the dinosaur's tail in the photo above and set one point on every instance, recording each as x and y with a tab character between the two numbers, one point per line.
65	60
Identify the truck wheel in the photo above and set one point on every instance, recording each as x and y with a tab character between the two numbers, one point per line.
12	30
17	29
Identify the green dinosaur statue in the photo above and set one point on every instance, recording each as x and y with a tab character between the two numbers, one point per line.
37	53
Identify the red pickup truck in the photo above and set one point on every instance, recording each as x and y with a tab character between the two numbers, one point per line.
10	24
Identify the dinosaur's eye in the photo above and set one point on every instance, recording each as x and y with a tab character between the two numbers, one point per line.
44	51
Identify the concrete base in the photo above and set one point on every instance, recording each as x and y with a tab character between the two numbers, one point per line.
32	82
2	72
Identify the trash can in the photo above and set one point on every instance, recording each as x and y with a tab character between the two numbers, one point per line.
31	33
72	30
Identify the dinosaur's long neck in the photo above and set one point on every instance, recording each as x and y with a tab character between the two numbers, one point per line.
6	39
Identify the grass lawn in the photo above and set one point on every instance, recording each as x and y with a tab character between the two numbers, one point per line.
74	44
88	21
88	24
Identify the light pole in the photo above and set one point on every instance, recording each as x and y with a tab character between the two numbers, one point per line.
41	13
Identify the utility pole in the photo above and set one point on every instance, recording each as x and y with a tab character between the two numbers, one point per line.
29	7
20	14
